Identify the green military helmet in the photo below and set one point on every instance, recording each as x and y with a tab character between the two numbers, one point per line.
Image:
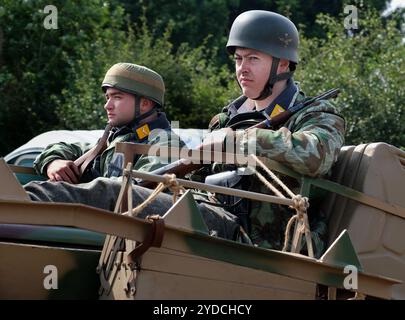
265	31
135	79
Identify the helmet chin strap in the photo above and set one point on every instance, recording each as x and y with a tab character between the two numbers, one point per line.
137	107
138	116
273	78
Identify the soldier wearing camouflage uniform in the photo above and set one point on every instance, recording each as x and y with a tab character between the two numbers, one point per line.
101	186
134	99
265	47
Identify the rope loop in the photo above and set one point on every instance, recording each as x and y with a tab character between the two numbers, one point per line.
170	182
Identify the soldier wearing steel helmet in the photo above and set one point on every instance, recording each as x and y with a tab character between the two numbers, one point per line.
265	48
134	100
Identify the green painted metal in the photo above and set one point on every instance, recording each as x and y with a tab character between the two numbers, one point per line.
305	187
328	270
307	182
358	196
186	213
22	272
50	234
287	264
24	178
341	252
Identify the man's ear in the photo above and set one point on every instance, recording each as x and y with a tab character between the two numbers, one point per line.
146	104
283	66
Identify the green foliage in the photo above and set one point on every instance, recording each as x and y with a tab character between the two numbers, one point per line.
50	79
36	63
193	21
195	88
368	68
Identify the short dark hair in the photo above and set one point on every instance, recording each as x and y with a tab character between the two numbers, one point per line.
292	66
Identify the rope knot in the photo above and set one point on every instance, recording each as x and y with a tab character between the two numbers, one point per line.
170	181
173	185
152	217
301	204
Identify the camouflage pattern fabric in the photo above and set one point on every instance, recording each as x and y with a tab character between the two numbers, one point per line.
309	143
107	163
102	192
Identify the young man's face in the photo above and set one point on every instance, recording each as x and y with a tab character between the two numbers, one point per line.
120	107
252	70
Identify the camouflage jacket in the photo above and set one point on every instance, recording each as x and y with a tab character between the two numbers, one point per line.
109	164
309	143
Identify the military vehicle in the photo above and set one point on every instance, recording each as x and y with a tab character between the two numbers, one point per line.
73	251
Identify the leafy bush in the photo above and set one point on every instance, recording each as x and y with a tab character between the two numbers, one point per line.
195	88
368	68
36	63
50	79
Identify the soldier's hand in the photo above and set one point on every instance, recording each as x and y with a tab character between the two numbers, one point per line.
63	170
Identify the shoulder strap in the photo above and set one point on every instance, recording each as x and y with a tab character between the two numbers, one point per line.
280	119
90	155
330	94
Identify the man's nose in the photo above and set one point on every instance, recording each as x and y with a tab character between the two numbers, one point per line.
108	105
243	66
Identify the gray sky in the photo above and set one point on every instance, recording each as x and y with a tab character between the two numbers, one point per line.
394	5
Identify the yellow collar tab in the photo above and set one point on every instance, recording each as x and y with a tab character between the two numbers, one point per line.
143	131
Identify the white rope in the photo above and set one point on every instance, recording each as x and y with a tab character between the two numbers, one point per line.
300	205
272	175
269	185
170	182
